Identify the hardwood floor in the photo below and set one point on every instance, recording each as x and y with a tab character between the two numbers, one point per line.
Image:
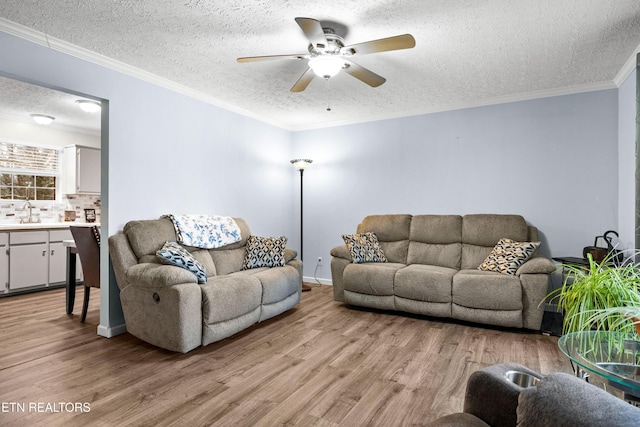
320	364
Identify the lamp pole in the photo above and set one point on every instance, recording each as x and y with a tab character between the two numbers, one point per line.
301	164
301	217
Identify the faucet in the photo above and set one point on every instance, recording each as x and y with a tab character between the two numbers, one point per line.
27	204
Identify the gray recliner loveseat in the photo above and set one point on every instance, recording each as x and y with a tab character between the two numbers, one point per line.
165	306
432	269
557	399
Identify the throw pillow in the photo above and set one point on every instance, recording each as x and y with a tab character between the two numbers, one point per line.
364	247
264	252
508	255
175	254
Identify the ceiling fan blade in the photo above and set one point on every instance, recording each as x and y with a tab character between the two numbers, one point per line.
271	57
405	41
313	30
303	81
363	74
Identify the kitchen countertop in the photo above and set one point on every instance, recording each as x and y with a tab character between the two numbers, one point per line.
44	226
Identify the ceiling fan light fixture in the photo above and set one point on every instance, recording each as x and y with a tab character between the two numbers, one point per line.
42	119
326	66
89	106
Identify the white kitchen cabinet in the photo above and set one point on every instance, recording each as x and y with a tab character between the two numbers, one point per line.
4	263
28	259
58	257
80	170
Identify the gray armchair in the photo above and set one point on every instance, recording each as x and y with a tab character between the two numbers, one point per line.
558	399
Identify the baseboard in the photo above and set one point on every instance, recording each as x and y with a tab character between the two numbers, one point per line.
108	332
317	280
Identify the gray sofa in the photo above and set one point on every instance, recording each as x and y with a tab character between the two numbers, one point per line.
432	269
559	399
165	306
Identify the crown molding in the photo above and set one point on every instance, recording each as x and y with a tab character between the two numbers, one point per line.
627	68
101	60
527	96
53	43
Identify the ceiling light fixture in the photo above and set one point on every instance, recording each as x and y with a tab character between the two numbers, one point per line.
42	119
88	106
326	66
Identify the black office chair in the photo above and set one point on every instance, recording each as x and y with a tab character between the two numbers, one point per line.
88	244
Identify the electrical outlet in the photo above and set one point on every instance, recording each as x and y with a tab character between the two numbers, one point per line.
319	260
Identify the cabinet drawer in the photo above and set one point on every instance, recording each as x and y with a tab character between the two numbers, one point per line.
4	239
60	235
25	237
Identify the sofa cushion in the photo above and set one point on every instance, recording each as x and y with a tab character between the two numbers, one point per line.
230	296
435	240
436	229
228	260
481	232
264	252
147	236
277	283
424	283
371	279
173	253
434	254
487	229
392	232
364	247
388	228
561	399
508	255
487	290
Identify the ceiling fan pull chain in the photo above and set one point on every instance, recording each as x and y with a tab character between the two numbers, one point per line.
328	94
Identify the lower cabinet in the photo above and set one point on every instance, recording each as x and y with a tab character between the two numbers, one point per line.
28	259
38	259
4	263
58	257
57	262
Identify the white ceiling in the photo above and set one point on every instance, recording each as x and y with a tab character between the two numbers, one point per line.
18	100
468	52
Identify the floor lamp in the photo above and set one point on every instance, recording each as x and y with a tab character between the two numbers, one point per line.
301	164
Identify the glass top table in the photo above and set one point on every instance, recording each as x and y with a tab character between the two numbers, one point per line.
614	356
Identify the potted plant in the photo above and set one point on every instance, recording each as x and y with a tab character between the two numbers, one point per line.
590	293
624	318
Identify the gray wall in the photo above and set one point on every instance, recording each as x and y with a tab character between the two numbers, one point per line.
552	160
627	160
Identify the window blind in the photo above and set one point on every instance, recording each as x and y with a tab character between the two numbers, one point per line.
26	158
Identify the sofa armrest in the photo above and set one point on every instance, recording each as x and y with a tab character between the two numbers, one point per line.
493	398
151	275
289	255
341	252
537	264
122	258
564	399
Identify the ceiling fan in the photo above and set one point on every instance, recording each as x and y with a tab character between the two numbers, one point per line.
328	54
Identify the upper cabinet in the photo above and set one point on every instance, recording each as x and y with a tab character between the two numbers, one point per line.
80	170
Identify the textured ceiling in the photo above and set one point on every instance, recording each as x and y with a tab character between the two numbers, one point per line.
468	52
18	100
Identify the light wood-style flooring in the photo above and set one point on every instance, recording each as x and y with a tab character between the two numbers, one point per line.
320	364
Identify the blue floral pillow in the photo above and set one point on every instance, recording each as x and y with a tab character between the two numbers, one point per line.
176	255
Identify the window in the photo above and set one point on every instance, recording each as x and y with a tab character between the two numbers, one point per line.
28	172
